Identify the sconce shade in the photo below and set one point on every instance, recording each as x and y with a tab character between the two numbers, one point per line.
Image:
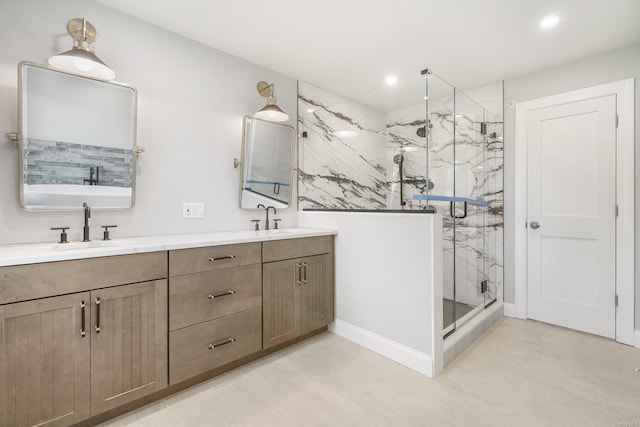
82	62
80	59
270	112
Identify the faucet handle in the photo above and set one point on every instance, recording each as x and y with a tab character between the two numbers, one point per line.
63	234
105	235
275	223
257	221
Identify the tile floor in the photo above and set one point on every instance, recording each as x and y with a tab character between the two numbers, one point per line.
520	373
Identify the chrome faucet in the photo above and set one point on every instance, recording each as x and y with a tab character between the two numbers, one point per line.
261	206
85	229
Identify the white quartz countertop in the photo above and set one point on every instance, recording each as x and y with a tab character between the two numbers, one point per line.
47	252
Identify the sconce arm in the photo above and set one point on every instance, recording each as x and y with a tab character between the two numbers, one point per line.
13	137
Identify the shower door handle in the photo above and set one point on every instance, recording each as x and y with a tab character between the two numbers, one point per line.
452	210
535	225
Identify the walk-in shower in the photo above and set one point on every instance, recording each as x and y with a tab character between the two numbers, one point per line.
383	165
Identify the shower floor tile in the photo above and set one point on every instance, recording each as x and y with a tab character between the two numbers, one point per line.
447	311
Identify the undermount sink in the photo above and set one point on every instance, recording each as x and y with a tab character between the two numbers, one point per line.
92	244
274	232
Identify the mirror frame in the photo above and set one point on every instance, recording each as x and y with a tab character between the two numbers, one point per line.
243	159
19	142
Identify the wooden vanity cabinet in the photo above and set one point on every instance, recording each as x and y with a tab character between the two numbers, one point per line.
297	288
60	360
129	354
215	307
82	337
45	362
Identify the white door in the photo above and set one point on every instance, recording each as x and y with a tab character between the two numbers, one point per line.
571	211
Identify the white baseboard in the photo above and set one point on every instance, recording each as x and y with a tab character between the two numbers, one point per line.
420	362
509	309
636	340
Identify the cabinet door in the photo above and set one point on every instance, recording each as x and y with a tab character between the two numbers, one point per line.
128	343
280	301
44	362
314	298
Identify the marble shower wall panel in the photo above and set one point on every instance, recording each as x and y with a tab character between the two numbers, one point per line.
340	172
403	138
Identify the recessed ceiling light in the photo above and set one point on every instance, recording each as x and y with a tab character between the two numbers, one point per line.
549	22
391	80
309	110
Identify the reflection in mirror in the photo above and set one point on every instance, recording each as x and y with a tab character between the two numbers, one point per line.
77	140
267	159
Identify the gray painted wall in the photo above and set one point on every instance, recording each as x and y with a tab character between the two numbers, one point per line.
610	67
190	107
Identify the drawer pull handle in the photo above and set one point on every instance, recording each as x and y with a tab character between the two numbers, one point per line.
212	259
83	328
299	281
97	315
220	344
304	277
224	294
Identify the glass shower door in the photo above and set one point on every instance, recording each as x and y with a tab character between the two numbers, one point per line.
457	159
467	215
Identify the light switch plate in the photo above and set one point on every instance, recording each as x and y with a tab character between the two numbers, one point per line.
193	210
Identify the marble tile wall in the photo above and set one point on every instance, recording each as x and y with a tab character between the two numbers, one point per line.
338	171
67	163
359	172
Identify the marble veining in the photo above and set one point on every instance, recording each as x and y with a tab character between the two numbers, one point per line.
339	172
359	172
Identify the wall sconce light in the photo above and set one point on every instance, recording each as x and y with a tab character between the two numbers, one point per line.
81	59
271	111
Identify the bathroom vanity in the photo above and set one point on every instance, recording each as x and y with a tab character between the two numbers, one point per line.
89	332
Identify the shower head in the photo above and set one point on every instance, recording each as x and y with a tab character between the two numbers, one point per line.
398	159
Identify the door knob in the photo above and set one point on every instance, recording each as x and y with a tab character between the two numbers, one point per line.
535	225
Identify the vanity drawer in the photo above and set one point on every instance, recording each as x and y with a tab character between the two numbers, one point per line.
201	348
196	298
275	250
196	260
32	281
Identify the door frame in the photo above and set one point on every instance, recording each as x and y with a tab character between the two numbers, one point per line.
625	251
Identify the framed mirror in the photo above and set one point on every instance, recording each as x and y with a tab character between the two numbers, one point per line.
77	141
267	164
